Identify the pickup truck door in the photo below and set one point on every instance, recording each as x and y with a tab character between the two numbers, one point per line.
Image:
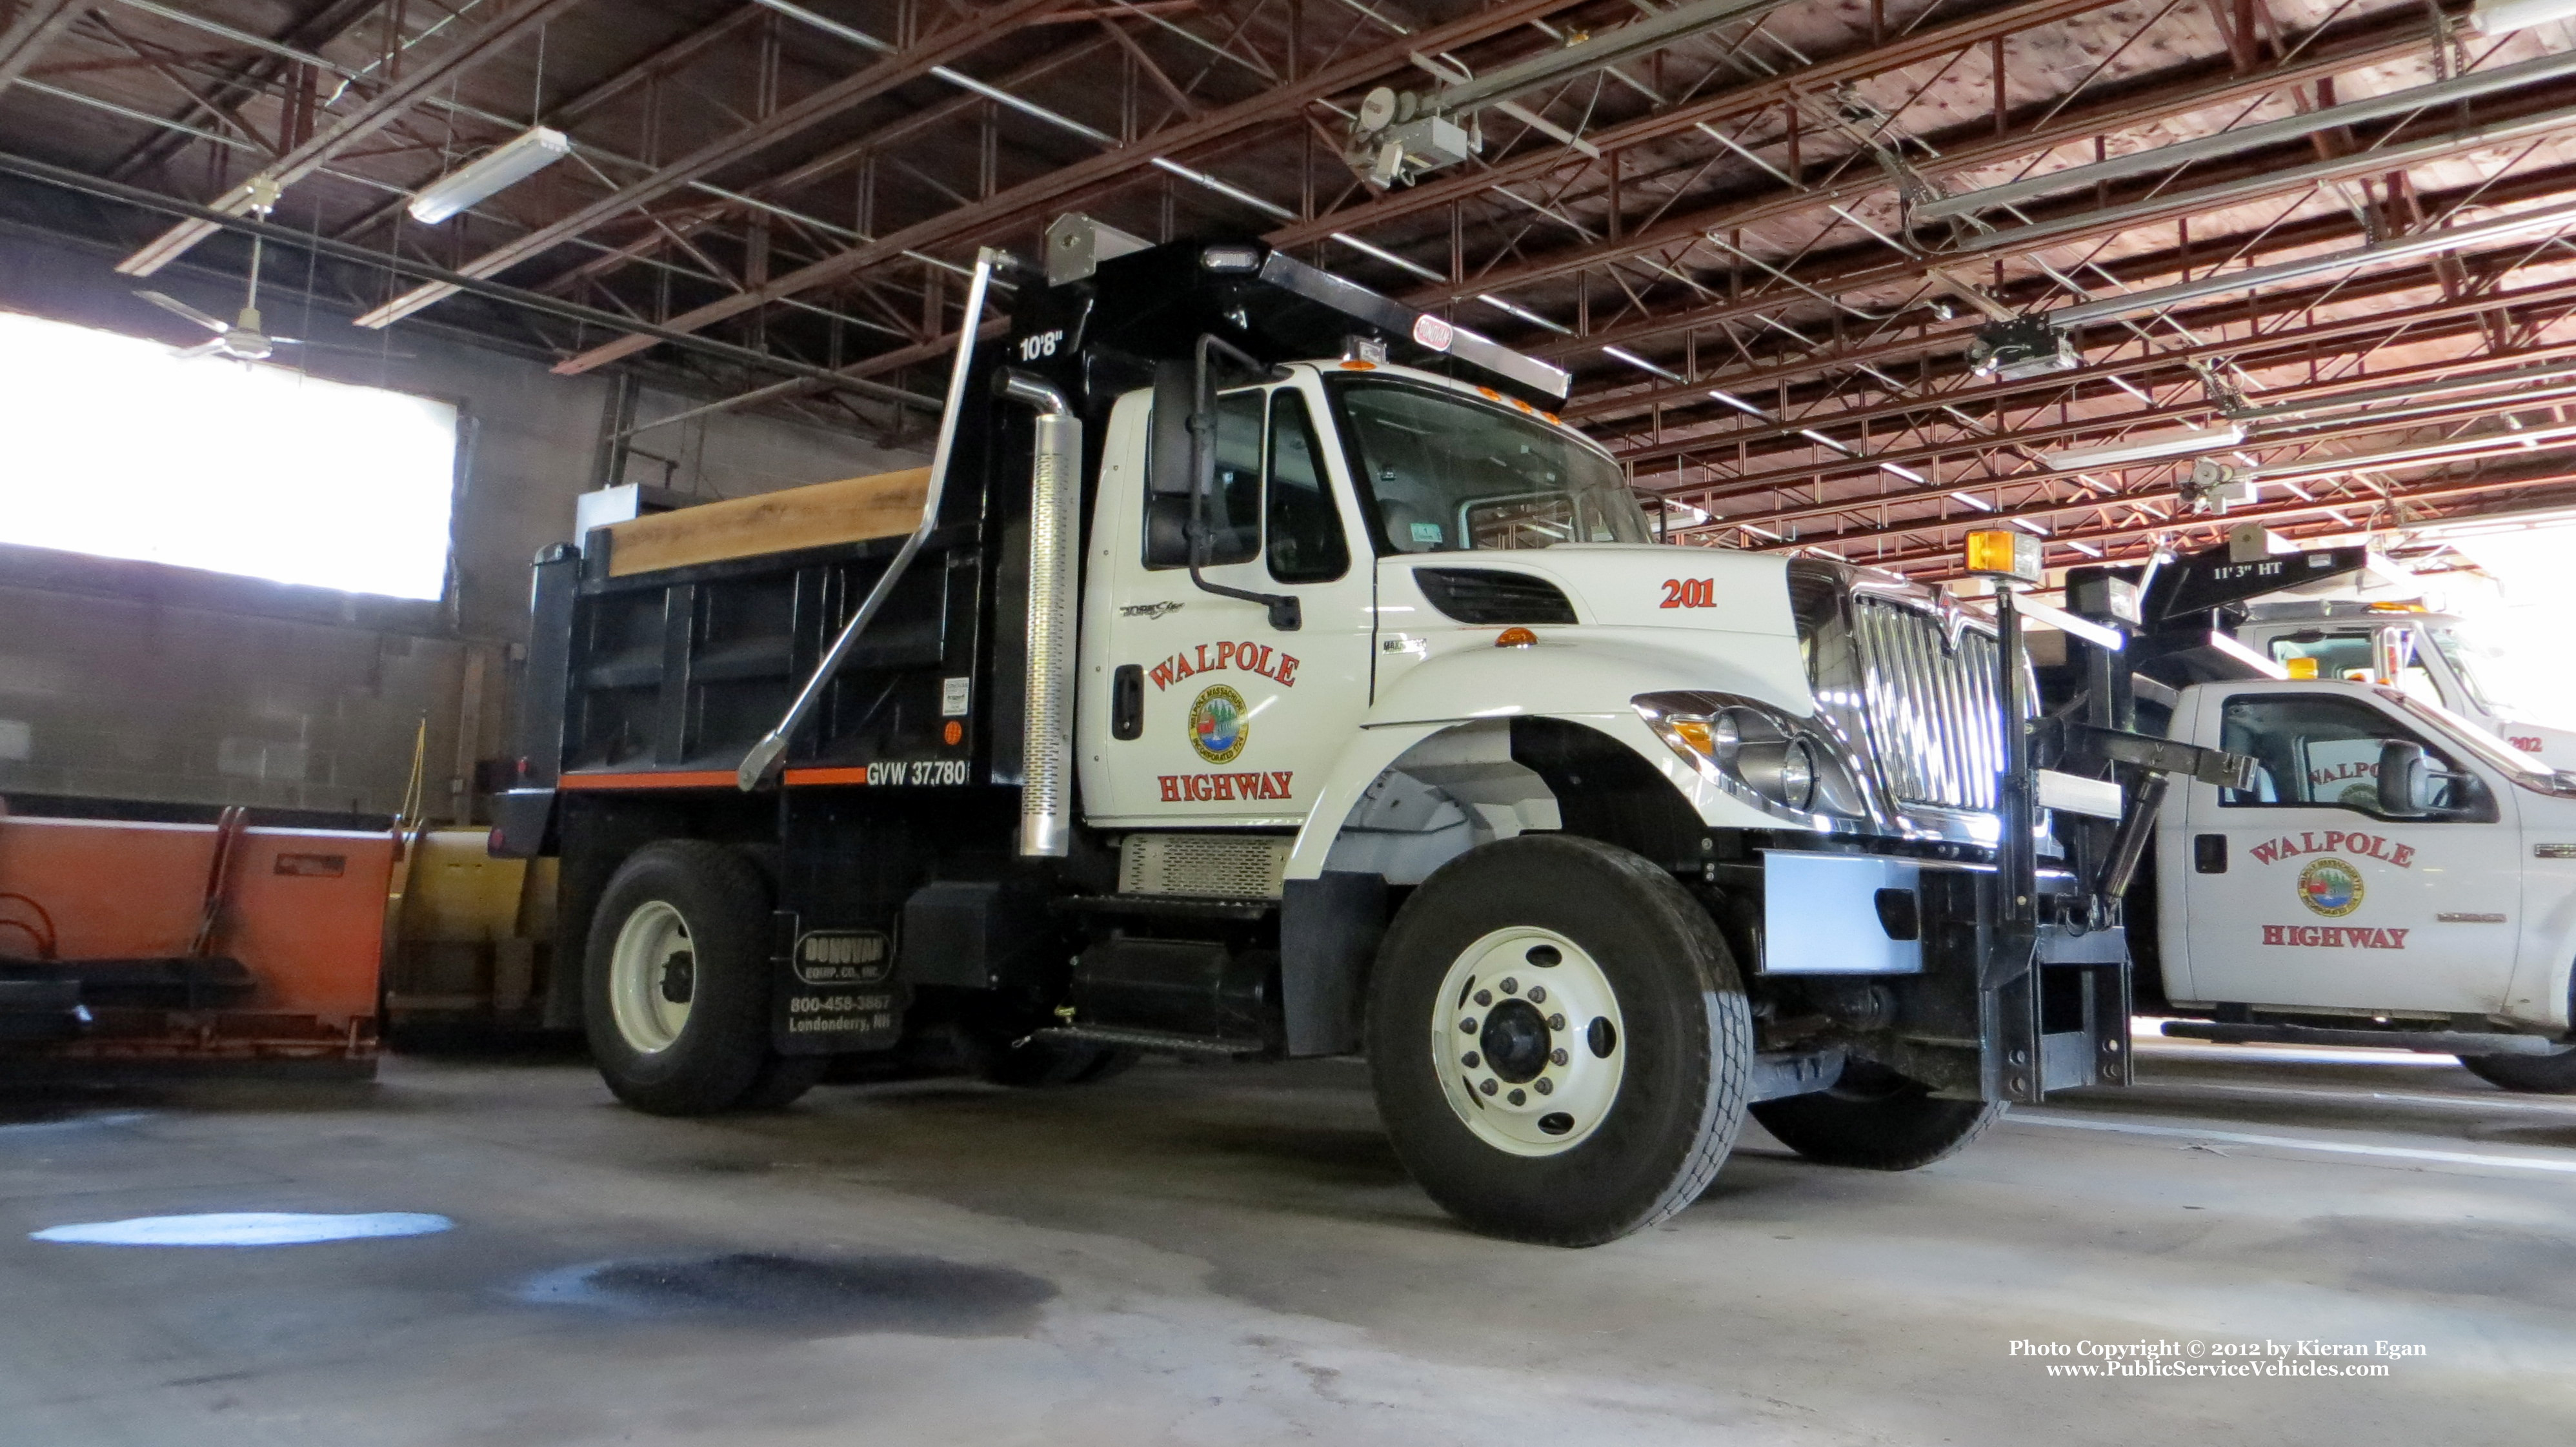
1193	708
2300	892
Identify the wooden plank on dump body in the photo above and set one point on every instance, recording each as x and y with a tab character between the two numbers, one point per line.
852	510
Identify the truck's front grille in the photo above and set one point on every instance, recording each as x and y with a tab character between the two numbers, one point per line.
1933	711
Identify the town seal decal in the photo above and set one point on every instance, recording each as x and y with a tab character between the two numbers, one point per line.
1219	727
2330	887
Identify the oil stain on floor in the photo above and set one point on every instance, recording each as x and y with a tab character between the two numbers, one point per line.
922	1295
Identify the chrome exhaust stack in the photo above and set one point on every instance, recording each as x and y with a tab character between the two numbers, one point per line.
1055	499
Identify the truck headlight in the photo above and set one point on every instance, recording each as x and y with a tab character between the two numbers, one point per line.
1756	751
1784	771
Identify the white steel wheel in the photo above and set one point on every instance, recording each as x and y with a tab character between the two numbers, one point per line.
652	977
1528	1039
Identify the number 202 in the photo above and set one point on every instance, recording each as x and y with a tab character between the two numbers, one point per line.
1689	593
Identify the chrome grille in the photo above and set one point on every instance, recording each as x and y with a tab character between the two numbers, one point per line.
1933	710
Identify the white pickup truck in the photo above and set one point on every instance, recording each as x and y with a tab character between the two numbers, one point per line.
2395	876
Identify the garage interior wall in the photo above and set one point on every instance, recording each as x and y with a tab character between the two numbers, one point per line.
140	681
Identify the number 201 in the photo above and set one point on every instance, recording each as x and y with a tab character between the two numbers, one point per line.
1689	593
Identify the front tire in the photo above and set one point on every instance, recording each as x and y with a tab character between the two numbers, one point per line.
2526	1074
1877	1120
1559	1041
675	983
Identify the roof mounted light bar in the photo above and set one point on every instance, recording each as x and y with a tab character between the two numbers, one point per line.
1432	333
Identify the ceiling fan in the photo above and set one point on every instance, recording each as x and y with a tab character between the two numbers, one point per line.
243	339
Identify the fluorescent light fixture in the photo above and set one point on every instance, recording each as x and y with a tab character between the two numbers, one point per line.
2146	447
1633	360
2503	17
508	164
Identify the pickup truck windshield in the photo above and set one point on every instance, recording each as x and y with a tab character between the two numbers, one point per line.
1443	474
2521	768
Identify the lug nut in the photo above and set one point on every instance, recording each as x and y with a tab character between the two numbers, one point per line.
1467	1026
1518	1097
1538	994
1489	1087
1484	997
1543	1085
1556	1057
1470	1059
1556	1022
1511	986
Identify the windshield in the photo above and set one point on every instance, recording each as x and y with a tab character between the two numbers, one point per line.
1440	474
2522	768
2462	656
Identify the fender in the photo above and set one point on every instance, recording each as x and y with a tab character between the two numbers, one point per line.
1589	682
2546	960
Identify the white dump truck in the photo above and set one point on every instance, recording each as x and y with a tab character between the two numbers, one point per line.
1260	669
2433	656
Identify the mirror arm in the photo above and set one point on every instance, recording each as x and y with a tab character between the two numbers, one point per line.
1286	614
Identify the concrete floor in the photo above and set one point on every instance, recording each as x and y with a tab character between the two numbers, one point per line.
1232	1256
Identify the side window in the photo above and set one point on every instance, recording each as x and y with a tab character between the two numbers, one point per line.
2344	656
2350	655
2312	751
1235	515
1306	542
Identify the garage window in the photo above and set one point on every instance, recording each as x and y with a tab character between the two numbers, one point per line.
119	449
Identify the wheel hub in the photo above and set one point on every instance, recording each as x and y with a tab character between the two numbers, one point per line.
1525	1033
1515	1041
652	977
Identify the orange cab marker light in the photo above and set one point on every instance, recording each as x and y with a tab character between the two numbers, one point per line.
1359	366
1515	638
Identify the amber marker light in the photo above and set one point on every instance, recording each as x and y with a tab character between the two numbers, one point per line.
1515	638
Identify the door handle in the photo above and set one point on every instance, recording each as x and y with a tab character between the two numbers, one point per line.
1127	701
2209	853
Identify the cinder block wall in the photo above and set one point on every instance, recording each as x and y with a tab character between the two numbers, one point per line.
139	681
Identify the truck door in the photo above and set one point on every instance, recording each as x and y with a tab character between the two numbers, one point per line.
1194	708
2299	891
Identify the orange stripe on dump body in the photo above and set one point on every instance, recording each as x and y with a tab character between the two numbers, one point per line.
676	779
855	774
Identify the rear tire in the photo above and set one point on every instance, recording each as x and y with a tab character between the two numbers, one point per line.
2526	1074
1610	1042
1877	1120
675	984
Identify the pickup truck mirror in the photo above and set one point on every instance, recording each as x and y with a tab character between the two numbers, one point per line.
2405	779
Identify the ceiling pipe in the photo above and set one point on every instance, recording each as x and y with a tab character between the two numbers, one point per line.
2449	238
2246	138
